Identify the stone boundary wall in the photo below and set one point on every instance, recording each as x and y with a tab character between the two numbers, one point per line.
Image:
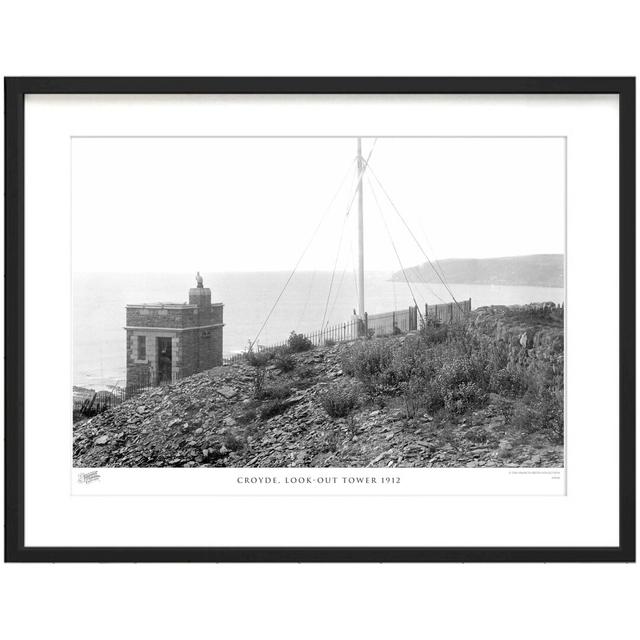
532	331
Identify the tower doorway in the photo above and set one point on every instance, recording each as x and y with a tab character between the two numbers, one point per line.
165	360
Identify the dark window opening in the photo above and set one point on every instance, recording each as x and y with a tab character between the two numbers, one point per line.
142	347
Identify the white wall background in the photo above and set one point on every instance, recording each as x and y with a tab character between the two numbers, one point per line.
328	38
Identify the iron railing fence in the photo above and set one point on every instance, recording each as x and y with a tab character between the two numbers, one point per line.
379	324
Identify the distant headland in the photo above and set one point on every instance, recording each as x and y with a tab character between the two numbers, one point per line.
540	270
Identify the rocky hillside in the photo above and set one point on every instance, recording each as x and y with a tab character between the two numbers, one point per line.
537	327
214	419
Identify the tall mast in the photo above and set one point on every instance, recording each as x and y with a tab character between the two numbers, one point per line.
360	234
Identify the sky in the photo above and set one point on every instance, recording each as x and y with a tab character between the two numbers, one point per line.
266	204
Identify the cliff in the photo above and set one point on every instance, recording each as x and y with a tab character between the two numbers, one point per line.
541	270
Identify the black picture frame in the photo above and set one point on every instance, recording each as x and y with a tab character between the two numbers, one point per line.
15	91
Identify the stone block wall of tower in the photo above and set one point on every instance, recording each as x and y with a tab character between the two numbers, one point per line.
170	341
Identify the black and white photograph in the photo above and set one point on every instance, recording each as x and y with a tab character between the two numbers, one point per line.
356	301
388	317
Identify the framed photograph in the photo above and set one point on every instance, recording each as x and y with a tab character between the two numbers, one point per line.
320	319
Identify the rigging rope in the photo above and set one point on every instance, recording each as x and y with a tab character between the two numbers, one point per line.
393	244
335	298
430	290
353	266
333	273
432	252
304	251
424	253
306	302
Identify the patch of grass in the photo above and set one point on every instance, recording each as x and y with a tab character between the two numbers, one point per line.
504	407
338	403
305	373
476	435
284	361
232	441
276	391
543	412
273	408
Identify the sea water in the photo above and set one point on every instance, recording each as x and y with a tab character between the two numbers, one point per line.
308	302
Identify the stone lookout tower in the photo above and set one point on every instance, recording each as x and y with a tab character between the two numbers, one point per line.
167	341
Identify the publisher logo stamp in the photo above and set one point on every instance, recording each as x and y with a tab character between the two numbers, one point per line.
88	477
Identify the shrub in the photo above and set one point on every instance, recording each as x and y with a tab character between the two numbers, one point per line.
369	362
329	343
434	333
273	408
463	369
411	362
428	321
259	358
464	397
338	403
433	397
507	381
543	374
410	372
414	397
298	342
541	413
276	391
305	373
284	361
451	369
232	441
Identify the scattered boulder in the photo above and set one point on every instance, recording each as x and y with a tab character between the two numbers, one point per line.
226	392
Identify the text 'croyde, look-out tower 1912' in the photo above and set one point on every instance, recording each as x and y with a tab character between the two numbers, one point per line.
167	341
